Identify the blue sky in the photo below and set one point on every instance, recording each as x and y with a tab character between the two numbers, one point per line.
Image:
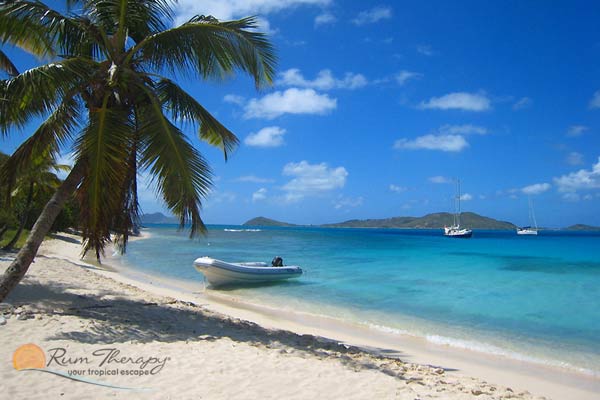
379	105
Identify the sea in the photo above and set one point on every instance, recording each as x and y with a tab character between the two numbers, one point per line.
530	298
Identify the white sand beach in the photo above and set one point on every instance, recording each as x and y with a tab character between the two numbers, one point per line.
199	345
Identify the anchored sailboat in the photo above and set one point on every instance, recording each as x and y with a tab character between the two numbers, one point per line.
455	231
529	230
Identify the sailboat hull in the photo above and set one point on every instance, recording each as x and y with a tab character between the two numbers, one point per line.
527	232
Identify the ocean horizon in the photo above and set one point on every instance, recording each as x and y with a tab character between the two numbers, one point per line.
533	299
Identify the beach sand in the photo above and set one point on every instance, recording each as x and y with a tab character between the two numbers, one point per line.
201	348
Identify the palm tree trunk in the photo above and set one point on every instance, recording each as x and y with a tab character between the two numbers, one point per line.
18	268
23	220
3	231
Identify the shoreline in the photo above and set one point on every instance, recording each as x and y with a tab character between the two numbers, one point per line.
460	364
542	379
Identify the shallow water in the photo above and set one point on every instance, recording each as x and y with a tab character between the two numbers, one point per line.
530	298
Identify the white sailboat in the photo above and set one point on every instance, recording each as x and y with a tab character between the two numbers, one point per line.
529	230
455	231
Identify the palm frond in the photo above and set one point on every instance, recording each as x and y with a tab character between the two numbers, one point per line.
45	142
103	147
7	66
211	49
182	175
39	91
184	107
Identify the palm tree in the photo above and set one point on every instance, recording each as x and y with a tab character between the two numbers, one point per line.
110	91
37	178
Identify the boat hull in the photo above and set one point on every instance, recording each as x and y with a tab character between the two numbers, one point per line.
527	232
459	233
220	273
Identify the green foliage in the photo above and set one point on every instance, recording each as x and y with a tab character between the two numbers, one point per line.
110	89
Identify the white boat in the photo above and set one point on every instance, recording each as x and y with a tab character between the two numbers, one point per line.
529	230
219	273
455	231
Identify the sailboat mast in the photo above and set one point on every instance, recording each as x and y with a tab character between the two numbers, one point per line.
458	202
532	213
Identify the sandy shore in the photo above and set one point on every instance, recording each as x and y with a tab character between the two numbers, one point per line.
185	345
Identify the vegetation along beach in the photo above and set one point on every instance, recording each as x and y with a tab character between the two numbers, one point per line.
300	199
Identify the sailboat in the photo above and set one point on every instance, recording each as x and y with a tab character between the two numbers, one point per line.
529	230
455	231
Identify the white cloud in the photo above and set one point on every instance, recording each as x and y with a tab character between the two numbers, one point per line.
452	143
234	99
580	180
575	158
373	15
536	188
440	179
347	202
260	194
466	197
574	197
522	103
253	179
576	130
325	19
425	50
230	9
324	80
291	101
466	129
312	179
271	136
397	189
404	76
595	101
458	101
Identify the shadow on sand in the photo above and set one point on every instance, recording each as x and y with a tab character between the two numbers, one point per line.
119	319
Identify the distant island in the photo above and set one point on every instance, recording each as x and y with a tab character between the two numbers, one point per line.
157	218
262	221
429	221
582	227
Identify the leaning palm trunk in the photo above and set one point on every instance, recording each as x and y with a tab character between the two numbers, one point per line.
18	268
23	220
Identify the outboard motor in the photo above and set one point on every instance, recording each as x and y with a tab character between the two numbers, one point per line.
277	262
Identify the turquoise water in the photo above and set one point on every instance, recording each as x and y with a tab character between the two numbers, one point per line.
531	298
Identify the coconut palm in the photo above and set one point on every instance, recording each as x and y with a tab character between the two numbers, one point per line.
111	91
37	178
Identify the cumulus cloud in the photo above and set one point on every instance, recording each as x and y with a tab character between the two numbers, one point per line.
291	101
451	143
230	9
458	101
323	81
234	99
536	188
260	194
576	130
397	189
580	180
253	179
404	76
439	179
574	158
373	15
325	19
466	129
595	101
466	197
312	179
271	136
425	50
522	103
